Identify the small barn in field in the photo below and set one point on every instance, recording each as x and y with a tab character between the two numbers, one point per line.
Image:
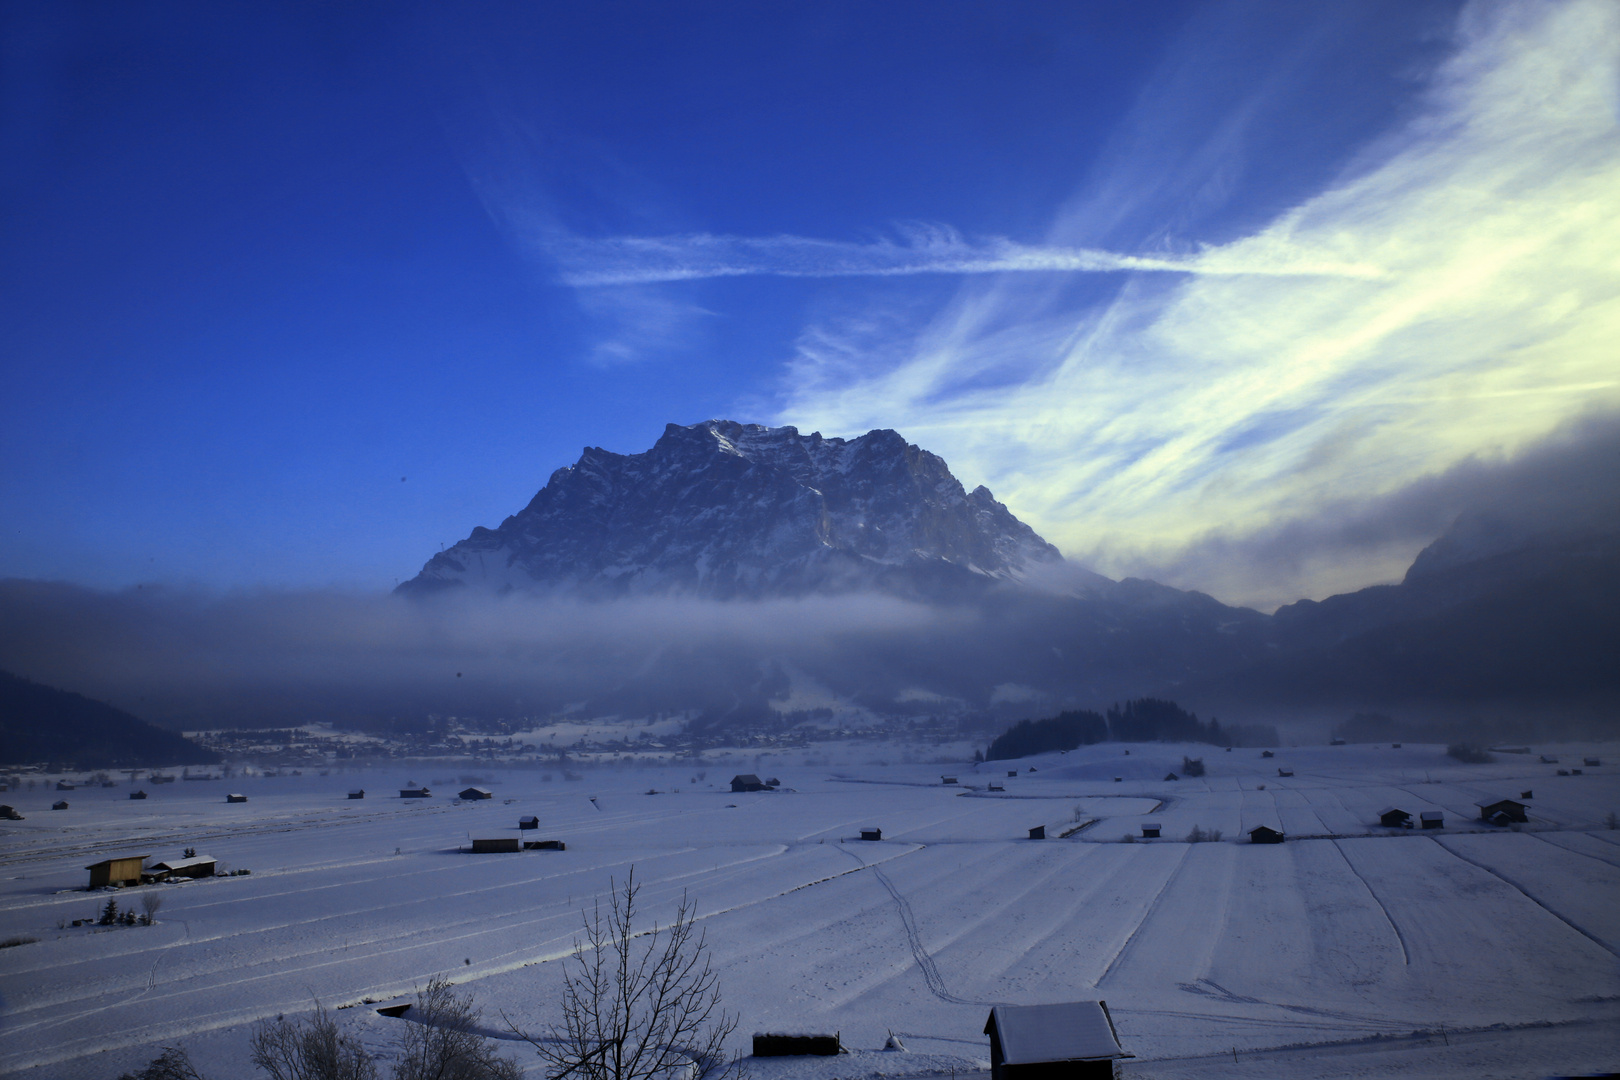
1072	1041
415	793
1150	830
137	794
358	793
1591	762
236	798
64	785
1285	772
120	870
475	793
1503	811
747	782
196	866
871	834
1394	818
496	844
1262	834
1432	819
1038	833
60	804
528	822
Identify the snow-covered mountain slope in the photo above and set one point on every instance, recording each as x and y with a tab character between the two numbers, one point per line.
723	509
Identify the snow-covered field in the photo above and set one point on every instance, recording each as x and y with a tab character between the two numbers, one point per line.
1350	950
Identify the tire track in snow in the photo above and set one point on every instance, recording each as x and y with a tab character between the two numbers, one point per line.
1546	838
1593	938
1406	957
1158	902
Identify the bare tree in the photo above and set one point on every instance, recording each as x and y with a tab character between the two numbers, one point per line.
172	1064
441	1040
289	1050
645	1009
151	901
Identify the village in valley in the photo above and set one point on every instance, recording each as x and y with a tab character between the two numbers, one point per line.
1152	909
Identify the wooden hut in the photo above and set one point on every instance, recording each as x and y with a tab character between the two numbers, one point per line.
1262	834
60	804
1503	811
65	785
1267	753
1432	819
1591	762
1038	833
9	813
747	782
415	793
1394	818
1150	830
528	822
1071	1041
137	794
1011	773
947	779
236	798
194	866
120	870
496	844
1285	772
475	793
544	845
871	834
358	793
776	1044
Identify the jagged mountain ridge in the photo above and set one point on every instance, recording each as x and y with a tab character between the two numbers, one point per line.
722	509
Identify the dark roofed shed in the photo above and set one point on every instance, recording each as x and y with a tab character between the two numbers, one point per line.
1067	1041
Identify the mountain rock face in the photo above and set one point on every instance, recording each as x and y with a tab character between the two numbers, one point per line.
721	510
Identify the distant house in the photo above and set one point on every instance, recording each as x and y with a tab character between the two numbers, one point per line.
1267	753
1011	773
1074	1040
747	782
871	834
415	793
9	813
528	822
1285	772
196	866
137	794
1527	794
544	845
993	786
358	793
60	804
1038	833
1502	811
947	779
476	793
772	1044
236	798
122	870
1394	818
773	782
1548	759
64	785
1261	834
496	844
1432	819
1150	830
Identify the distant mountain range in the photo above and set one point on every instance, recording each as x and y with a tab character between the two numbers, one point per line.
725	510
40	724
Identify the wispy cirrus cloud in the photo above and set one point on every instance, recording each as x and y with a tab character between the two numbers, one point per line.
919	249
1189	413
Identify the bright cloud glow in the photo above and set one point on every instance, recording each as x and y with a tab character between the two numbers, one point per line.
1200	410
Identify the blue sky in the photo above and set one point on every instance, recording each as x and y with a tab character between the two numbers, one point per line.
292	295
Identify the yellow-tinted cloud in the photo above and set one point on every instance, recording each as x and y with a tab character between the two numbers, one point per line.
1231	404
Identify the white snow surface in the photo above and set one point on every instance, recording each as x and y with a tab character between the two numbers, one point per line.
1349	951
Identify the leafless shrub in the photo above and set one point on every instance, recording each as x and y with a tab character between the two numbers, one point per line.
172	1064
290	1050
151	902
639	1012
441	1040
19	939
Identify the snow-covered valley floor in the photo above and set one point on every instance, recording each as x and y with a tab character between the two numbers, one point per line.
1350	950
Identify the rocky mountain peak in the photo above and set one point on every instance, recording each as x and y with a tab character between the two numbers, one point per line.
727	509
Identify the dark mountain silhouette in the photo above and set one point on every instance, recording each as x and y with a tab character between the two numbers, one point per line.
43	724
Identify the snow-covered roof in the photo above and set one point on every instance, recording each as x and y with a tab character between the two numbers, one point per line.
181	864
1071	1031
1392	810
1431	815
